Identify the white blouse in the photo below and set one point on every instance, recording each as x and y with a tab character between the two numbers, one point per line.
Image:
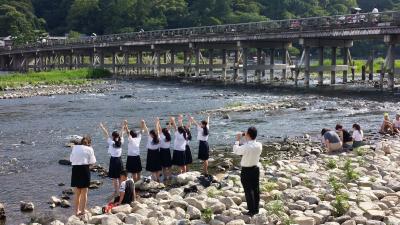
82	155
358	135
200	136
114	152
134	145
151	145
179	142
164	144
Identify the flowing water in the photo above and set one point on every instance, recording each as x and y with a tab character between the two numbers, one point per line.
33	130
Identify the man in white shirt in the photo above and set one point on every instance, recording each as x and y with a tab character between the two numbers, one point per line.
250	175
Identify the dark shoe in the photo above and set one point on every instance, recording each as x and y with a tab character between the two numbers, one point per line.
251	214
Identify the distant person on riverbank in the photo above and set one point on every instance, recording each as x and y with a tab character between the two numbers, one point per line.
345	136
133	161
153	161
358	136
331	140
250	174
115	150
82	156
387	126
396	124
165	150
180	140
202	136
126	190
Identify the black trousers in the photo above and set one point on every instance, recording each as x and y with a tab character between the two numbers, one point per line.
250	177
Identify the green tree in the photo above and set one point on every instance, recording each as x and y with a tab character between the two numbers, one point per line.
84	16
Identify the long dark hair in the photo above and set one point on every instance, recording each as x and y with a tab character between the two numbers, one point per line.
188	134
117	139
133	134
166	134
154	135
205	128
357	127
86	140
182	131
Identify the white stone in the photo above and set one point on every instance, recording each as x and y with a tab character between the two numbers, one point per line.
110	220
236	222
228	202
56	222
193	212
151	221
196	203
303	220
163	195
134	219
122	208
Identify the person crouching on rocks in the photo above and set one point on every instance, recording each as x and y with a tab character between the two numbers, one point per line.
115	150
250	174
126	190
331	140
82	156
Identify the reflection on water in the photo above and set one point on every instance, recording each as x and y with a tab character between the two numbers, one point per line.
32	130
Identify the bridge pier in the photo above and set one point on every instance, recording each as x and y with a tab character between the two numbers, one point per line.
321	64
236	66
211	63
172	62
245	64
391	41
346	52
333	63
197	54
259	63
284	61
224	64
271	63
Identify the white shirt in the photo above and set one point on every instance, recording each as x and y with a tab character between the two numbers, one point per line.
200	136
82	155
250	153
122	187
151	145
179	142
358	135
375	10
134	145
114	152
396	123
164	144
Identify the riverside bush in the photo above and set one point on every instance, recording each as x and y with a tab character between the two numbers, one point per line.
207	215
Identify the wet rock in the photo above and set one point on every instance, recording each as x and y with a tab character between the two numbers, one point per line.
65	204
226	117
27	206
68	191
64	162
95	184
61	184
2	212
126	96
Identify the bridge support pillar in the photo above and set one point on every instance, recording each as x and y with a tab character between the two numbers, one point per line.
321	64
197	62
333	63
114	68
126	62
345	62
139	62
101	59
272	62
307	66
172	62
259	63
236	66
284	61
71	60
224	64
157	63
211	63
245	55
391	65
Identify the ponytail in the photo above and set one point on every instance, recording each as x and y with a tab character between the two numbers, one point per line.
188	134
156	139
117	140
205	128
166	134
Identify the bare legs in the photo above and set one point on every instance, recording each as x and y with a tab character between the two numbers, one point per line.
136	176
156	176
205	166
167	173
116	186
80	200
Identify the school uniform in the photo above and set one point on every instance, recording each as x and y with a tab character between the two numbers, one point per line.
133	162
188	154
116	165
165	152
127	187
179	156
153	162
358	137
81	158
204	149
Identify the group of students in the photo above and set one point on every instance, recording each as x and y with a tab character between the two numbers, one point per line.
342	139
159	160
389	127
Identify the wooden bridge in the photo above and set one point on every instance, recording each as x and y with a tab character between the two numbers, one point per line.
233	53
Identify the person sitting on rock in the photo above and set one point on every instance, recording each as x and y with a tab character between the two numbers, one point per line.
387	126
345	136
331	140
358	136
126	190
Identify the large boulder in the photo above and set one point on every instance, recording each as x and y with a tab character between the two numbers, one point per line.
127	209
303	220
111	220
193	212
185	178
27	206
2	212
200	205
236	222
134	219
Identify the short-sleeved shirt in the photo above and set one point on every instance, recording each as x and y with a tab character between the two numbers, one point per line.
332	137
179	142
164	143
151	145
200	134
346	136
82	155
396	123
134	145
114	152
358	135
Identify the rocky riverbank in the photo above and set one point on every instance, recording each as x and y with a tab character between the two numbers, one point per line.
309	187
50	90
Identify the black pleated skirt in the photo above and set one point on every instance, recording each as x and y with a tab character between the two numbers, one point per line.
153	162
178	158
165	154
204	150
115	167
188	155
133	164
80	177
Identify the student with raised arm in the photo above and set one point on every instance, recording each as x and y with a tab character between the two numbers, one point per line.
115	150
133	162
153	161
188	152
202	137
165	152
179	157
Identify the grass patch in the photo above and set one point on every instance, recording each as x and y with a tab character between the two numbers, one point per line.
234	104
269	186
331	164
360	151
207	215
341	204
349	172
213	192
55	77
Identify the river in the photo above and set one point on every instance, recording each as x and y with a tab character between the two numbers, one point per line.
33	130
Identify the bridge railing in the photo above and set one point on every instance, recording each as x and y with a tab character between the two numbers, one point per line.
389	18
